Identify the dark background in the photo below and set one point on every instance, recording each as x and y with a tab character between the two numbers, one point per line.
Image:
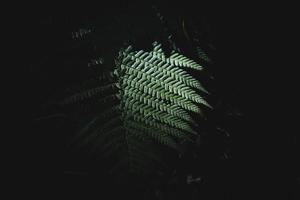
263	162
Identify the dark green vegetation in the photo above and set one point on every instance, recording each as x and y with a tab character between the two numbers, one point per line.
146	98
118	106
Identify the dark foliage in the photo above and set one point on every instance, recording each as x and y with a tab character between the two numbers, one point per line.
64	54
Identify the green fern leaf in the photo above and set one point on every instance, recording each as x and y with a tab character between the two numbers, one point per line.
149	99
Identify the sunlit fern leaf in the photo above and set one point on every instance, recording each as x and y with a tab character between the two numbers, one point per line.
157	105
153	66
146	99
182	61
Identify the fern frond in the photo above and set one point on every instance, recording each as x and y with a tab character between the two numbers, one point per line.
150	98
182	61
157	105
172	132
150	121
149	64
145	111
86	94
101	132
